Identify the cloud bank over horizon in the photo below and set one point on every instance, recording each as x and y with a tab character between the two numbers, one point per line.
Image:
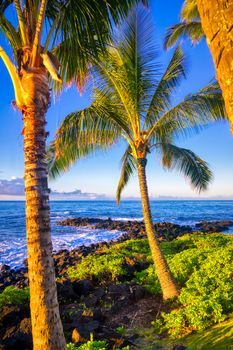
14	189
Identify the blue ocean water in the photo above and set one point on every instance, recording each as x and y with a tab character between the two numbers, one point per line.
12	221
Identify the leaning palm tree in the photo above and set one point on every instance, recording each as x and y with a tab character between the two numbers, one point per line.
214	20
47	32
133	101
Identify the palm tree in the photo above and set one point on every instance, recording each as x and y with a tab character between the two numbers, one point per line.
132	101
214	20
47	32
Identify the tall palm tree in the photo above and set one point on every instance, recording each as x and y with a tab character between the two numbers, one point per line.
133	101
51	41
214	20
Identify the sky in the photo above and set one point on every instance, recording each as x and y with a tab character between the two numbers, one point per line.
97	176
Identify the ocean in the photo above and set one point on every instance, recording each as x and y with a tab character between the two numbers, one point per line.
12	221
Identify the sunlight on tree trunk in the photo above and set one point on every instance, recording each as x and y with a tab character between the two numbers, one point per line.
167	283
46	324
217	23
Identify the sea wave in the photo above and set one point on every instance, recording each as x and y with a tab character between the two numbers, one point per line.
14	252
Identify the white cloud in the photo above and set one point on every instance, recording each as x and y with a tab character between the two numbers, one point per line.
15	188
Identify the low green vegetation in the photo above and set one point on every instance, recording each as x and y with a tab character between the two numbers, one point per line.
12	295
90	345
93	345
109	263
217	337
206	274
201	263
121	330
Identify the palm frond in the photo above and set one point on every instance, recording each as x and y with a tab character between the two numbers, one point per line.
112	76
93	125
7	28
128	167
188	163
60	160
85	132
83	36
195	111
136	46
192	30
189	11
167	85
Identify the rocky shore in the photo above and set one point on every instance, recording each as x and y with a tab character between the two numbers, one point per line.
165	231
88	307
135	229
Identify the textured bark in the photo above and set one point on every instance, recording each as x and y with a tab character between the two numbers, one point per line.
217	23
167	283
46	324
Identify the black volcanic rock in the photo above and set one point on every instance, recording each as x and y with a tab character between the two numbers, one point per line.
214	226
130	229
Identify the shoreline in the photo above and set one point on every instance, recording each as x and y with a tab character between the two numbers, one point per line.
165	231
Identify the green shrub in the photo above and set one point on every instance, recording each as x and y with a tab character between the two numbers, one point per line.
109	263
90	345
13	295
99	267
148	279
185	263
93	345
121	330
207	297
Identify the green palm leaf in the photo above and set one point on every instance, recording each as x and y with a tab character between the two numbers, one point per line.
127	170
189	10
188	163
7	28
79	38
166	87
191	114
84	132
190	26
137	48
60	160
183	30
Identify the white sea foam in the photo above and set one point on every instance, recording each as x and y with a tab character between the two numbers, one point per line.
14	252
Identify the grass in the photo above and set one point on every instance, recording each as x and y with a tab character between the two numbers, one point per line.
217	337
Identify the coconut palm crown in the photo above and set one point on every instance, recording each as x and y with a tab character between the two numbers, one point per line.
189	26
132	101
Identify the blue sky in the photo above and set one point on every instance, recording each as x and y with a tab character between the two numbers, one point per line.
99	174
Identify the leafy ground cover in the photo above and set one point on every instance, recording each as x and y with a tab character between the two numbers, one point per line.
201	317
12	295
201	263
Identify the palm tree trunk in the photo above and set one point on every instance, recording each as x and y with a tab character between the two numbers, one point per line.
46	324
217	23
167	283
